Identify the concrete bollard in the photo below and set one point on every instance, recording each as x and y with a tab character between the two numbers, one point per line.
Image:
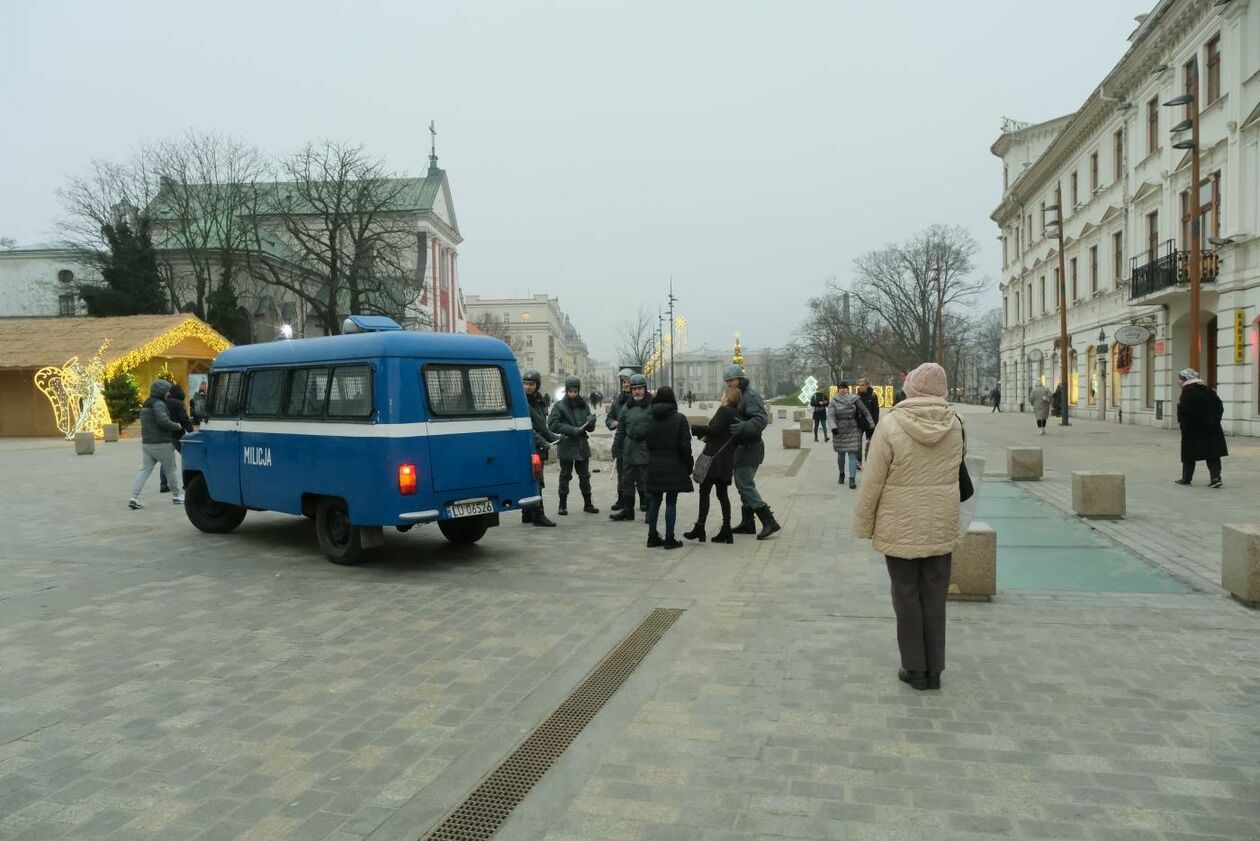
806	425
111	431
1240	562
1024	463
798	414
1098	496
973	571
84	443
791	439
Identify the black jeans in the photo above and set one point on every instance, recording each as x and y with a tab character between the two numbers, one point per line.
724	500
1214	469
671	512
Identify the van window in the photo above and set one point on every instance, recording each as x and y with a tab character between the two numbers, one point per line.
308	388
225	394
351	393
465	390
265	390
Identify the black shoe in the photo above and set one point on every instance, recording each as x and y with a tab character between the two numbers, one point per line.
933	680
590	508
625	515
1181	481
164	490
769	525
696	533
1215	483
542	520
563	508
852	482
841	480
747	525
724	534
918	680
616	506
671	543
859	465
654	540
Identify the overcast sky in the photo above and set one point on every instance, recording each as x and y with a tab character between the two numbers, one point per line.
750	149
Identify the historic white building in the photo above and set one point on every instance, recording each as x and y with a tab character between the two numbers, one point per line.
1126	225
542	334
42	279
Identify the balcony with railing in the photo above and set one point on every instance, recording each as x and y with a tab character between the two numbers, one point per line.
1155	278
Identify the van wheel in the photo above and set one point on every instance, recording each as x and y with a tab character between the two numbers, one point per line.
206	514
341	541
465	531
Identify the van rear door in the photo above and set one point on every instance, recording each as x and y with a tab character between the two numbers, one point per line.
472	440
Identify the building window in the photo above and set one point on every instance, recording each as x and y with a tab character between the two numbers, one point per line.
1152	126
1152	235
1072	276
1093	270
1029	240
1043	216
1030	302
525	317
1019	312
1058	291
1214	69
65	276
1043	294
66	305
1093	172
1148	373
1073	183
1117	256
1190	77
1209	211
507	318
529	341
1118	154
1006	311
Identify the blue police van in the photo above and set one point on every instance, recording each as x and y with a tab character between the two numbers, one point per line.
377	427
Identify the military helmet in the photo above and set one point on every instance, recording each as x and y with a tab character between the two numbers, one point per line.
532	376
573	381
638	380
625	374
734	372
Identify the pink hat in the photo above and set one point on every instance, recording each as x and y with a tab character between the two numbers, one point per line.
928	380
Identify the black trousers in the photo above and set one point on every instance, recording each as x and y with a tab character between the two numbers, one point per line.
584	476
1041	424
1214	469
724	500
820	423
919	586
633	478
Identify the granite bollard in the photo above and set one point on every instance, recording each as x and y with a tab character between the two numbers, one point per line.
1024	463
1097	495
84	443
973	571
1240	562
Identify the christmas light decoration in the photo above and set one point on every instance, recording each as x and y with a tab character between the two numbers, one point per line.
808	389
75	392
190	328
738	356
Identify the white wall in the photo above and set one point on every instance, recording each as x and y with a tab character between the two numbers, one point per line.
29	284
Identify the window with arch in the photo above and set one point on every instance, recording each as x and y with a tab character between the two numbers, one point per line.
65	276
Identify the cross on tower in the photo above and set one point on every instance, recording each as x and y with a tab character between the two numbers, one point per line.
433	139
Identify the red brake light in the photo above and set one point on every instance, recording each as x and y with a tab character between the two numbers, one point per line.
535	462
407	479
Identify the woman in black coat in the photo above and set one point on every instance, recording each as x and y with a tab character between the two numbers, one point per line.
718	447
1199	413
669	463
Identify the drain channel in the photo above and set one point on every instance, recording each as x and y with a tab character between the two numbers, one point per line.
481	814
795	467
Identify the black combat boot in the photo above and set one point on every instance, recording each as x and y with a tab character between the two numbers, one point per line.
696	533
724	534
769	525
527	515
654	540
747	525
589	507
563	509
540	518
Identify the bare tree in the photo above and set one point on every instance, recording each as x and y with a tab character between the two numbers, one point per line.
897	287
494	328
7	242
635	338
835	333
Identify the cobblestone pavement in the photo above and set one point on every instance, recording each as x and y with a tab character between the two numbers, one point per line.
158	683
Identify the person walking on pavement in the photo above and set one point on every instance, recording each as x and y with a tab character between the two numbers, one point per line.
871	401
156	428
720	449
543	439
666	436
847	417
908	507
634	452
1199	413
175	407
1039	398
612	422
690	398
819	402
199	404
572	419
750	421
996	396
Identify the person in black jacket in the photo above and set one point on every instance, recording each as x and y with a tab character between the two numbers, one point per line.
819	403
543	439
718	447
1199	413
668	440
871	401
179	414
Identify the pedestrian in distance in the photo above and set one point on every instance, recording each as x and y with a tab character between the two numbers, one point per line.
996	396
908	507
667	438
156	428
613	423
1056	401
1039	399
1199	413
720	449
634	452
818	402
847	416
871	401
543	439
750	451
200	404
572	419
179	414
690	398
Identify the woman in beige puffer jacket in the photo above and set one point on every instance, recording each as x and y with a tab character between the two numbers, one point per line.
908	507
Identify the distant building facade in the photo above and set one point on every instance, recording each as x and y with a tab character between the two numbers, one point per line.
41	280
541	333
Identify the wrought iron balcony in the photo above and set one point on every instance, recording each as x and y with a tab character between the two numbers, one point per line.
1168	270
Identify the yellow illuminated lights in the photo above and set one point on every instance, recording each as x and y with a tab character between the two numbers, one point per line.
188	329
76	393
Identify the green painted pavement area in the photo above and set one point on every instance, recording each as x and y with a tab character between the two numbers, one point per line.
1042	549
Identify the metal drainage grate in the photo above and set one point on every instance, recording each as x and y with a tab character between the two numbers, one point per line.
492	801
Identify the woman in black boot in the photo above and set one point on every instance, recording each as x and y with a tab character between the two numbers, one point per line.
720	449
668	440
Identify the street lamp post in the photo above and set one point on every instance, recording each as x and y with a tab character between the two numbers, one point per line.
1190	99
1057	207
673	330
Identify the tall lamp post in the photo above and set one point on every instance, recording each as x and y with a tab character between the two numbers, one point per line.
1190	99
1064	356
673	330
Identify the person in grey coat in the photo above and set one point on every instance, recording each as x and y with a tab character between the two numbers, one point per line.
750	421
156	428
846	415
572	419
634	451
1039	398
612	420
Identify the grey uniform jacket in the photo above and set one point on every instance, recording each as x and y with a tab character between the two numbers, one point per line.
751	419
572	421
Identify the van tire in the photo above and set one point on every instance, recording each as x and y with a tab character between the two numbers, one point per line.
465	531
206	514
341	541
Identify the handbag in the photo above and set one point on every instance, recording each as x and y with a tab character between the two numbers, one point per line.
700	471
966	490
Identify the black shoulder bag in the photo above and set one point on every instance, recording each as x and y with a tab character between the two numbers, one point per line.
966	490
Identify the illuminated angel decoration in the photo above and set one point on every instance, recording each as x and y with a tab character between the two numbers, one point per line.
76	391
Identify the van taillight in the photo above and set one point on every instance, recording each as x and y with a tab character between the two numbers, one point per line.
407	479
535	461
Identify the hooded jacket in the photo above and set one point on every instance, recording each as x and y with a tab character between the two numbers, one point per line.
573	420
668	441
175	408
156	426
842	419
908	500
750	422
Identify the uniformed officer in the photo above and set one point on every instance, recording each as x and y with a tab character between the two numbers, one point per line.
612	421
634	454
572	419
751	420
543	439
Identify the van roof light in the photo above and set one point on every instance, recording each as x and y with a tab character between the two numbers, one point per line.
369	324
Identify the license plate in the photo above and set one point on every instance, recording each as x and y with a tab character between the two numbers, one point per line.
471	508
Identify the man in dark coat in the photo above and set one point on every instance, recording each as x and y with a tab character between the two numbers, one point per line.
612	421
179	414
871	401
634	452
818	402
750	451
1199	413
543	439
572	419
996	396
